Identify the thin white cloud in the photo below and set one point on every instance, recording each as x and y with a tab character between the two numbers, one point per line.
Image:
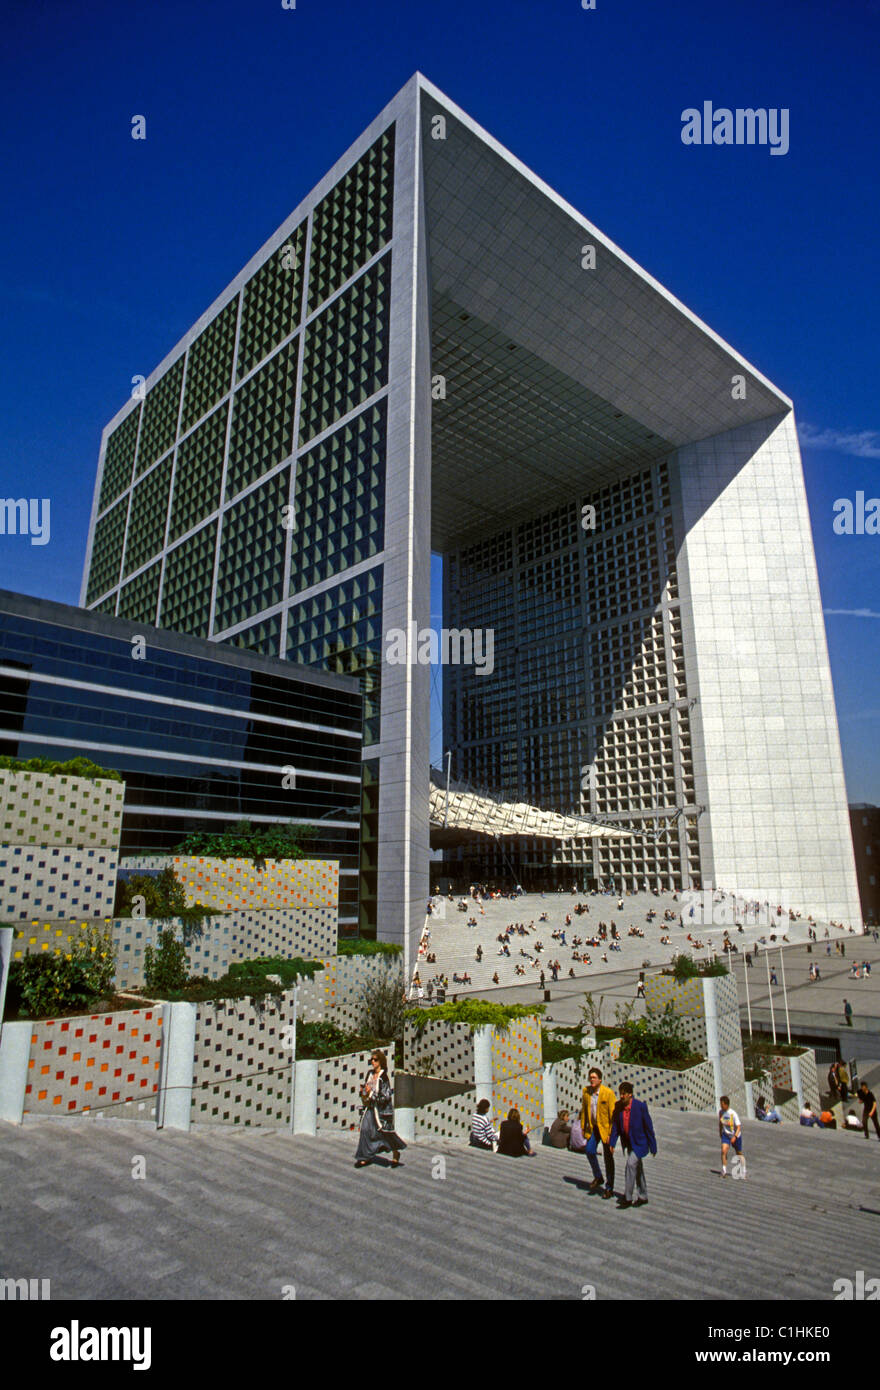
852	612
863	444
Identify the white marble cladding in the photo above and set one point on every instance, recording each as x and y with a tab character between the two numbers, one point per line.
767	761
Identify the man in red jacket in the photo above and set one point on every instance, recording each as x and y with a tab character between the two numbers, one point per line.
633	1127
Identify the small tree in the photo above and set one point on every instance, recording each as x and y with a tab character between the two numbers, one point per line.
757	1064
591	1011
166	967
381	1002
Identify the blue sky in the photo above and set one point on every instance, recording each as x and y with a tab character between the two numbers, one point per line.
111	248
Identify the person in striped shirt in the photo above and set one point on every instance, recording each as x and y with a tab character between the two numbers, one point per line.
483	1136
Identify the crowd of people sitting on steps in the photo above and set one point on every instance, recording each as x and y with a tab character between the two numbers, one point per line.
526	957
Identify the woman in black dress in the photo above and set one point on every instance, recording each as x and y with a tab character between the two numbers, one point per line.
377	1123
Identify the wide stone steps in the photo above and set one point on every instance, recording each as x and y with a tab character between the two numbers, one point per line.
227	1213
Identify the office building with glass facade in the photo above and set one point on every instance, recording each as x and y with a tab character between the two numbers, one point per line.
436	352
204	736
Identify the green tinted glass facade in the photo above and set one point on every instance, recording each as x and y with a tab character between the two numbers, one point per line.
161	411
340	630
139	598
119	459
209	366
237	496
272	302
353	222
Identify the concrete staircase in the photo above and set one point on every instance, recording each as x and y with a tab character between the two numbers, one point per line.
225	1213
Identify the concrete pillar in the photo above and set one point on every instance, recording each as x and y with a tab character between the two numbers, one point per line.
405	1124
305	1097
483	1077
550	1094
750	1101
797	1082
15	1052
176	1066
713	1046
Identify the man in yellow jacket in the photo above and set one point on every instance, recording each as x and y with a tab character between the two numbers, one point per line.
597	1113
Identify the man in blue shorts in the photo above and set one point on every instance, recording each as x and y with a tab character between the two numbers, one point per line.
730	1129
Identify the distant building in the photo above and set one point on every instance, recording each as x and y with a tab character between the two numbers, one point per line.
865	821
204	735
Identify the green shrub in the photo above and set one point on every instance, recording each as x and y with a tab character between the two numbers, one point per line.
167	966
381	1002
326	1040
657	1040
243	841
364	947
475	1012
567	1042
289	970
683	968
42	985
164	899
75	767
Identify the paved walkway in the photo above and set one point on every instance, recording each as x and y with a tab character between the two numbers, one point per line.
242	1214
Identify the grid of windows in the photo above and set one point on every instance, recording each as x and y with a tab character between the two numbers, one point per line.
253	351
107	550
149	513
262	420
119	459
628	665
262	637
341	630
209	365
271	304
251	574
161	409
189	578
198	474
340	498
138	598
590	618
346	351
353	221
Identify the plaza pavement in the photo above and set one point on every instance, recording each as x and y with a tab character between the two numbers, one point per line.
225	1213
454	944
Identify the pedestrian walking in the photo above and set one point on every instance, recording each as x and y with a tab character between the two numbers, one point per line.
869	1108
632	1126
377	1122
848	1013
730	1130
640	987
843	1081
596	1118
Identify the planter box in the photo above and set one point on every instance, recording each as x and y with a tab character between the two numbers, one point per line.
59	846
230	884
